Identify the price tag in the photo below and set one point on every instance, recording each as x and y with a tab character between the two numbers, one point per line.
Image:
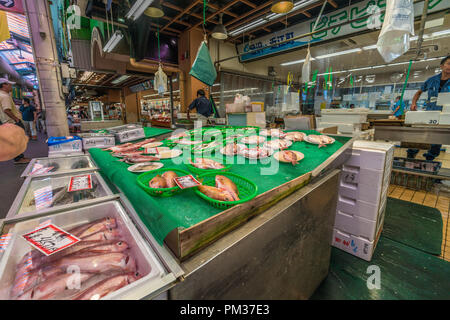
350	178
186	182
43	197
80	183
50	239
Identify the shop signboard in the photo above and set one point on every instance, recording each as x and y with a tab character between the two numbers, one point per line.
12	6
370	9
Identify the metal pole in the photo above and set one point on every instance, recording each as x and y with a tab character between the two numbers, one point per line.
303	36
422	28
47	66
172	120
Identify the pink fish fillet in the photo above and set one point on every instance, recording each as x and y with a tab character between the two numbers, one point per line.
94	262
104	287
52	287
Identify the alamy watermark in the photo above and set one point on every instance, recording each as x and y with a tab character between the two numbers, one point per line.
374	280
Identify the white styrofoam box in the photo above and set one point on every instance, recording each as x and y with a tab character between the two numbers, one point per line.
354	245
446	108
366	192
383	146
422	117
370	158
356	225
444	118
342	127
357	207
348	117
353	174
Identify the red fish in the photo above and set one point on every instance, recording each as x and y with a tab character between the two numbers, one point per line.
92	227
289	156
215	193
139	159
26	280
169	176
158	182
94	262
104	287
226	184
109	234
51	287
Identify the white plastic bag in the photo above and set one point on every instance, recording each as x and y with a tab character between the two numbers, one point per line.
247	101
398	25
306	69
160	81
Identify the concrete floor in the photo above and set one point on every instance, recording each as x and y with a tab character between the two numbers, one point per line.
11	181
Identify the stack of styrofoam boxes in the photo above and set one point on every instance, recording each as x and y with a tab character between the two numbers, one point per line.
347	120
363	189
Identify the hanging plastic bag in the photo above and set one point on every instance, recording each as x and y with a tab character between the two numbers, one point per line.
398	25
306	69
160	80
203	68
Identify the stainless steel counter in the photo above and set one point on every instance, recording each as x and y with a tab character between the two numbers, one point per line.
283	253
417	134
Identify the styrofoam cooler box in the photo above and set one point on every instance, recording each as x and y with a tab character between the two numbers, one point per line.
360	208
371	155
343	116
356	225
422	117
342	127
444	118
64	145
355	245
365	192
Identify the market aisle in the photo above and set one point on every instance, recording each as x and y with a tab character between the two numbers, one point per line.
434	199
11	181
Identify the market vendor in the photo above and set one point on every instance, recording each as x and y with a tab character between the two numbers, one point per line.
202	105
434	85
399	107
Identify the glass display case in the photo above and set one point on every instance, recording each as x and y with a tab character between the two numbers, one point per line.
112	260
58	165
39	195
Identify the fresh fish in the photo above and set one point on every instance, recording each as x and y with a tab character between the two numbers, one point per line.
83	163
118	147
139	159
158	182
126	154
295	136
57	194
256	153
94	262
169	177
215	193
203	163
106	286
52	287
109	234
206	146
26	280
273	133
87	229
225	183
128	148
253	140
35	259
231	149
321	140
289	156
178	136
278	144
140	144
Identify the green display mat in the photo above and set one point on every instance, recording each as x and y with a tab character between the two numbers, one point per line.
162	215
153	132
414	225
406	273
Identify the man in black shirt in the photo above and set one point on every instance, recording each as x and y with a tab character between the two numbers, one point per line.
202	105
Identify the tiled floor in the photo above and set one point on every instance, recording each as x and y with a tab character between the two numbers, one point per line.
436	199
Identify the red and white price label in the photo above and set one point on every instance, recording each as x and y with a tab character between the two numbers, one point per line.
50	239
80	183
186	182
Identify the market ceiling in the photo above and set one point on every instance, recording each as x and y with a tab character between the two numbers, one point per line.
183	15
107	80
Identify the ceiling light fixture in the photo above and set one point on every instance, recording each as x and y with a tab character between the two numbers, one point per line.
138	9
220	32
113	41
282	6
155	10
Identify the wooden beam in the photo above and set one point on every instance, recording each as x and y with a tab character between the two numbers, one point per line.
168	29
267	29
334	4
306	13
250	4
192	5
232	3
251	12
178	21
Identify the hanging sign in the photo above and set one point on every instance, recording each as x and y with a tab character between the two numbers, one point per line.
369	8
12	6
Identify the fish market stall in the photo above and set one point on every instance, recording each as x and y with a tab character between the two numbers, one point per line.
110	260
204	232
60	165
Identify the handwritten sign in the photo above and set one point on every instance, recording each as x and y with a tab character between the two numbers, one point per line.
350	177
186	182
50	239
80	183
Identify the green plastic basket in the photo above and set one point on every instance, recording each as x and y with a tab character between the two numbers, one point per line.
199	171
247	189
144	179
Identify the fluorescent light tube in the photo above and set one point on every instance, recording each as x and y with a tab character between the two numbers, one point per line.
294	62
370	47
338	53
138	9
113	41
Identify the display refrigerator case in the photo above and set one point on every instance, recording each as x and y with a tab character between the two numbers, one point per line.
97	140
125	266
129	132
60	165
42	195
